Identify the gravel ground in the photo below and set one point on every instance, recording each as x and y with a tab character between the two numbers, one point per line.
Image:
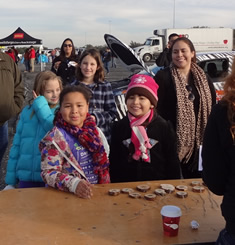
28	78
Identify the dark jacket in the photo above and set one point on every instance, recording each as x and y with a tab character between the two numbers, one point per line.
164	58
12	88
218	155
164	161
65	70
107	56
167	108
167	100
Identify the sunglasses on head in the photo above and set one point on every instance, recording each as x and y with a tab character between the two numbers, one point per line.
67	45
191	96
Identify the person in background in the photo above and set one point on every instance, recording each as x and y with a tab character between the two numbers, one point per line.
11	53
218	157
102	105
26	60
143	144
36	119
15	53
42	58
37	56
32	57
75	133
53	52
79	52
65	64
114	60
107	56
186	96
164	58
11	96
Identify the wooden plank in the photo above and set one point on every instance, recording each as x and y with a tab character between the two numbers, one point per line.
47	216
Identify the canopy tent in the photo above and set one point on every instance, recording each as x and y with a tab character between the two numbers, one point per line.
19	37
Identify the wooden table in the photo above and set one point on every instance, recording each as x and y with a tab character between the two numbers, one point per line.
41	216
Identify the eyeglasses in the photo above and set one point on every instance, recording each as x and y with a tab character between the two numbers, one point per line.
191	96
67	45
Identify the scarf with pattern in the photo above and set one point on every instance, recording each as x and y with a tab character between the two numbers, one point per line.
139	136
88	137
189	129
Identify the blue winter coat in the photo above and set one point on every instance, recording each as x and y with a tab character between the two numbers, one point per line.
42	58
24	162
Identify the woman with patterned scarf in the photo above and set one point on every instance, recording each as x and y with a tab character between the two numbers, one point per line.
74	153
186	96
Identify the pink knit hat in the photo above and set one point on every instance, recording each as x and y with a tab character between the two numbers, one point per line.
143	85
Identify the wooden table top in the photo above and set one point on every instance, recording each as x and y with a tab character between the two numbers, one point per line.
39	216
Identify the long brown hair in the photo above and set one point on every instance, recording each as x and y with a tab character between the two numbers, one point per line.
62	53
229	99
99	75
41	80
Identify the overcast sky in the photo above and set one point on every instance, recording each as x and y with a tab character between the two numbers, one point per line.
86	22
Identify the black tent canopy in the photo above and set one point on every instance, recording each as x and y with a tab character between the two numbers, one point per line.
19	37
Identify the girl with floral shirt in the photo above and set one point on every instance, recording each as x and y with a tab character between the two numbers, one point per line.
74	153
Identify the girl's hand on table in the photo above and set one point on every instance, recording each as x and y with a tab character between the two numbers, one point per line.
84	189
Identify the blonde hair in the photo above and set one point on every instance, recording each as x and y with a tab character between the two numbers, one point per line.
40	83
41	80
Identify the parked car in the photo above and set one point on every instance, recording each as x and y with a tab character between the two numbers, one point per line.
215	64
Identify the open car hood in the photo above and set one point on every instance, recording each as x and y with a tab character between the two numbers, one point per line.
126	55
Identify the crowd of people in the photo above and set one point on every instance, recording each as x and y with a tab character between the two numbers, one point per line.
66	57
74	140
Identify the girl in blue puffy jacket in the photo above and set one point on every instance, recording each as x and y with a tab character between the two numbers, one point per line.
36	119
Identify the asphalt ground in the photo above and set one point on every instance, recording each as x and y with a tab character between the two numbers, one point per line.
115	74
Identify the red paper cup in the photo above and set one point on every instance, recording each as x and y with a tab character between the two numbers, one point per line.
170	218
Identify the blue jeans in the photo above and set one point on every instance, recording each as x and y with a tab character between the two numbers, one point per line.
27	65
3	139
225	238
106	66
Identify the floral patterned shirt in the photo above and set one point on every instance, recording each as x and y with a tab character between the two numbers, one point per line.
56	170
